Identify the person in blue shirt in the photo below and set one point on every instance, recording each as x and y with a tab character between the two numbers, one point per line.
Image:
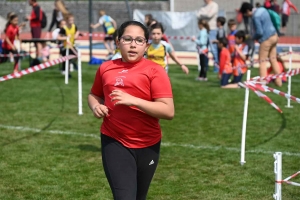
202	42
265	33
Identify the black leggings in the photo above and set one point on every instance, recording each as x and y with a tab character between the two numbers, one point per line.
7	52
128	171
204	65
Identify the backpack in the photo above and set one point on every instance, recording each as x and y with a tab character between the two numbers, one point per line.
44	18
276	19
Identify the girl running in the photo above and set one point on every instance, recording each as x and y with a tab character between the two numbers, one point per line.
127	94
158	49
11	31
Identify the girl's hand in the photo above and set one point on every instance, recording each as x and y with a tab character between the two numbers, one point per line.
193	38
122	98
185	69
100	111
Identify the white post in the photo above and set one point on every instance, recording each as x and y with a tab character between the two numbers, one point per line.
244	127
79	83
19	51
290	79
67	63
278	175
172	5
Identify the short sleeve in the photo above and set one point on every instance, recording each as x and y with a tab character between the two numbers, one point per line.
245	50
62	31
160	83
97	88
169	49
100	20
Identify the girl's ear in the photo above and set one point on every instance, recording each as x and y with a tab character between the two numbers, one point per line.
147	46
117	43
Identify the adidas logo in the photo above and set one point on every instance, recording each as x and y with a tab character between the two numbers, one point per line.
151	163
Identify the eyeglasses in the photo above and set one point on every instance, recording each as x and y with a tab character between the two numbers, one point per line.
138	40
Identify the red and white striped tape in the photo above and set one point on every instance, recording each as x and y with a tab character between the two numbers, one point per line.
36	68
290	182
252	87
281	75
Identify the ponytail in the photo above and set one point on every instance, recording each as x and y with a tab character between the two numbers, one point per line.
11	17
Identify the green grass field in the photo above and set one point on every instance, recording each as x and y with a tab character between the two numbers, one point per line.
49	152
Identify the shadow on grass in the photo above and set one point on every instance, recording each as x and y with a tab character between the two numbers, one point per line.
45	127
88	147
282	127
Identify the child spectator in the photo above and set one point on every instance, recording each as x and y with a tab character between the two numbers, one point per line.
286	11
45	52
221	31
202	42
281	68
240	56
109	26
11	32
158	49
69	31
55	33
231	36
225	69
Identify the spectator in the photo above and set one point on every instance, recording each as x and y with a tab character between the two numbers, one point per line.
109	26
35	24
59	13
209	12
225	69
286	12
257	5
11	31
55	33
70	31
149	20
282	68
131	95
231	36
239	58
266	34
202	47
276	6
158	49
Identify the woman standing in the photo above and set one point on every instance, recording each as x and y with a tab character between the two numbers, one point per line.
127	94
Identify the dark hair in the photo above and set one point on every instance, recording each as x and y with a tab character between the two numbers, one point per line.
241	34
204	23
122	28
156	26
115	35
246	6
9	14
231	22
223	41
222	20
11	17
150	19
257	5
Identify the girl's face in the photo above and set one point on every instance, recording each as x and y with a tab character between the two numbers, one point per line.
156	35
62	24
70	20
14	21
132	44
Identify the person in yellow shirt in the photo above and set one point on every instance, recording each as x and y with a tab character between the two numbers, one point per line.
158	49
71	33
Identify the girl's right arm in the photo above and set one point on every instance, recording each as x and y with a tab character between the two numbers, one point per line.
97	106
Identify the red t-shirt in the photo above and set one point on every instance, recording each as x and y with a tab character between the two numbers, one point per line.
144	79
225	62
11	32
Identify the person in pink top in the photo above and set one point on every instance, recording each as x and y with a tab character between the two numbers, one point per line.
286	12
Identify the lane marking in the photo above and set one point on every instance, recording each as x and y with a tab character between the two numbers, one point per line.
165	144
